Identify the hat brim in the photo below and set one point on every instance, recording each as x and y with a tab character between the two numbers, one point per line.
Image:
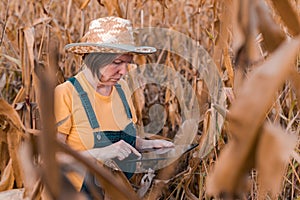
83	48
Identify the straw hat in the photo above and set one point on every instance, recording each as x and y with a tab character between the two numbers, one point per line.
109	35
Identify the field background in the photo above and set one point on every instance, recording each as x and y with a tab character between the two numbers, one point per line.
254	45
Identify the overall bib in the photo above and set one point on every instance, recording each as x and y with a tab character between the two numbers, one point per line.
105	138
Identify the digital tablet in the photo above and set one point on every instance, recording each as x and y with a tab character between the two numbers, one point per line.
163	153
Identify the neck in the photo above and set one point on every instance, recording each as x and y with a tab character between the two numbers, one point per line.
104	90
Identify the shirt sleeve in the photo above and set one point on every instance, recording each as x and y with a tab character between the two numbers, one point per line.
62	107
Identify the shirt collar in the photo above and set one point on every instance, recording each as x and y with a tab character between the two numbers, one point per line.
93	80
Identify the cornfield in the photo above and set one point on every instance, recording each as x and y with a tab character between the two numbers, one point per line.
242	68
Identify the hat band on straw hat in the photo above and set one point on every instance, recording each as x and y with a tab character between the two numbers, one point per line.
83	48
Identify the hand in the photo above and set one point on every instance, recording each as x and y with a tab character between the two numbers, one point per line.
120	150
160	143
155	144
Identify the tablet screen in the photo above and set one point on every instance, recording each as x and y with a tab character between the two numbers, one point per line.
163	153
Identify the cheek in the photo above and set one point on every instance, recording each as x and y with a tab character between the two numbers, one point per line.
113	71
109	72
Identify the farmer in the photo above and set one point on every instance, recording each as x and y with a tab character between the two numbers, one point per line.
93	109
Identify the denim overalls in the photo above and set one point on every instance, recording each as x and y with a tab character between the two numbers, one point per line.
105	138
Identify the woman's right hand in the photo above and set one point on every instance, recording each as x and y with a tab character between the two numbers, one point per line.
120	150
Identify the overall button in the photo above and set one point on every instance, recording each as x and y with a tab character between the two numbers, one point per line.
98	136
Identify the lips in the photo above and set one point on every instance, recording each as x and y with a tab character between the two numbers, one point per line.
115	78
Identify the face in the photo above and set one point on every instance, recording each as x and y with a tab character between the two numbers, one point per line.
112	73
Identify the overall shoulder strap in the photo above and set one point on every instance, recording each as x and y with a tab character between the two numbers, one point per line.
124	100
85	103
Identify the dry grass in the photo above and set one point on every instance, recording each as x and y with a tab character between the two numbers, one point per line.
254	156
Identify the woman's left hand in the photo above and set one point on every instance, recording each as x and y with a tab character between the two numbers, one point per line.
155	144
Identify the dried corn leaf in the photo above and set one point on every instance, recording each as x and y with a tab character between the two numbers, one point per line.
273	36
239	22
229	94
30	171
189	194
173	112
139	102
295	78
186	133
41	20
69	192
20	97
2	82
26	69
228	66
288	15
47	145
14	141
29	40
14	60
202	94
4	154
223	33
113	7
247	114
272	156
28	57
7	179
163	177
206	141
245	48
81	4
220	110
13	133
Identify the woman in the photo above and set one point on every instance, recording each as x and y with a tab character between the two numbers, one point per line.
93	108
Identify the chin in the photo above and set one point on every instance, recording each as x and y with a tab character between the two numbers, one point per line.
112	83
115	81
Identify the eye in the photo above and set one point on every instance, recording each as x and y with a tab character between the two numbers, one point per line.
117	62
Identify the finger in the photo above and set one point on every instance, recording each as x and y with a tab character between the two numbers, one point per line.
127	150
168	144
123	154
121	157
123	146
162	143
130	148
122	149
133	150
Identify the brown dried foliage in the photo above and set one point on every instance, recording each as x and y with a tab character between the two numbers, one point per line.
254	45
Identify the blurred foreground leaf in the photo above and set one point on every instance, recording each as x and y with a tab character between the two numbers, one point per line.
244	124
